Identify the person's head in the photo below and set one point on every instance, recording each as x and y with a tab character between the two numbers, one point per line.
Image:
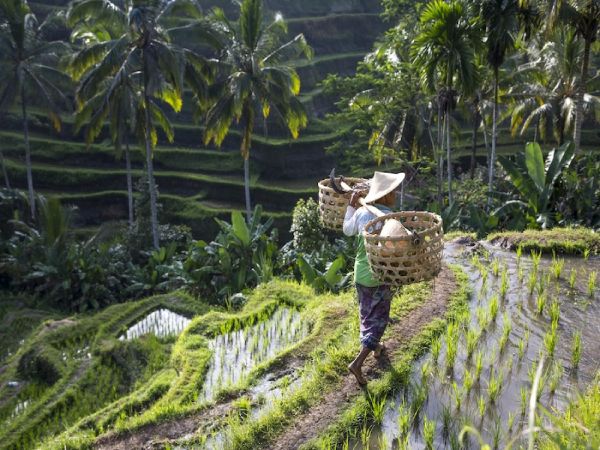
383	187
388	199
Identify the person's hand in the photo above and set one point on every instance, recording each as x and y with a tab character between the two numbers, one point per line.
354	198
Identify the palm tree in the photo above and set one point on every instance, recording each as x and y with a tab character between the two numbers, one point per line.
94	29
547	96
444	54
138	71
257	78
28	65
583	16
501	18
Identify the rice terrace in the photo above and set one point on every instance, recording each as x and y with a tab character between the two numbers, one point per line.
316	224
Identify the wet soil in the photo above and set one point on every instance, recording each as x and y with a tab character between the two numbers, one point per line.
321	415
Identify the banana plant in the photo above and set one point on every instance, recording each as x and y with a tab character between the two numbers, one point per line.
328	280
535	179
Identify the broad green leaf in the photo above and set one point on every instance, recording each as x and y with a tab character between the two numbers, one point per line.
534	159
307	271
240	229
332	275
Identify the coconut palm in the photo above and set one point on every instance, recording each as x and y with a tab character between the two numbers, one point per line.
139	71
501	18
257	78
582	16
547	97
28	66
444	54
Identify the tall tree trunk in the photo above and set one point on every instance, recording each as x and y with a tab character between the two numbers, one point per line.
248	122
149	164
247	188
129	182
4	173
580	93
476	120
485	139
27	154
494	133
448	160
440	157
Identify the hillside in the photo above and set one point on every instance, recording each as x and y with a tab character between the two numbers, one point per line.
197	183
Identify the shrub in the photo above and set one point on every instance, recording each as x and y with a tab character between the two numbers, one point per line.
307	229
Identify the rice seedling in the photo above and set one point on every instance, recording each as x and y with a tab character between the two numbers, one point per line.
484	278
572	278
540	303
519	253
520	274
457	395
365	436
554	311
497	434
493	308
478	365
506	329
404	421
446	421
451	344
495	266
494	386
404	443
521	351
557	266
531	282
483	318
481	405
419	399
536	257
475	261
555	376
576	350
524	398
511	420
472	339
592	283
509	365
504	283
425	372
436	346
551	339
428	433
586	254
382	441
467	381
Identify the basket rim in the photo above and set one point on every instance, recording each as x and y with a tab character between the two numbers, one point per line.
437	223
322	184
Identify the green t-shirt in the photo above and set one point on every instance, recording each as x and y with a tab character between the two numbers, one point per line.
363	274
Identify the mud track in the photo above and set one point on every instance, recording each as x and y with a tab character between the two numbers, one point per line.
321	415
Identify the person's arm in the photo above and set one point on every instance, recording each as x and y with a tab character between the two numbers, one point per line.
351	225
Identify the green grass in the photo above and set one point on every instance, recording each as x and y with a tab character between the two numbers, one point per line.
84	385
574	241
174	391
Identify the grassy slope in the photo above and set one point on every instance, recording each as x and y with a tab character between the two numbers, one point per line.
560	240
174	391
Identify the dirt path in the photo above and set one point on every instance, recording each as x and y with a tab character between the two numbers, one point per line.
328	409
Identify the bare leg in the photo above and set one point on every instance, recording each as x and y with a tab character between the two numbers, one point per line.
379	351
356	366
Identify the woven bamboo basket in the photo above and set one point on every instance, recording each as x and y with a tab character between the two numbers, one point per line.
332	206
398	261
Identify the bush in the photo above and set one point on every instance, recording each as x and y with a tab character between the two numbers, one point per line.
42	365
307	229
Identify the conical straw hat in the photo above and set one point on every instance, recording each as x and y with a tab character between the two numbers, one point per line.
382	184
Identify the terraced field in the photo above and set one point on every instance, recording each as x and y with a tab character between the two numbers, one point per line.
198	183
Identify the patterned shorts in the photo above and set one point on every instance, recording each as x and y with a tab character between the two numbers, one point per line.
374	308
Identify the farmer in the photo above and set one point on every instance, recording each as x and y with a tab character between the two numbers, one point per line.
374	298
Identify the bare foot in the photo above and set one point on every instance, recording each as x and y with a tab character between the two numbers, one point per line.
379	351
357	374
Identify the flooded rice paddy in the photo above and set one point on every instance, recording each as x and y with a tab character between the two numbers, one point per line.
161	323
236	353
481	372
